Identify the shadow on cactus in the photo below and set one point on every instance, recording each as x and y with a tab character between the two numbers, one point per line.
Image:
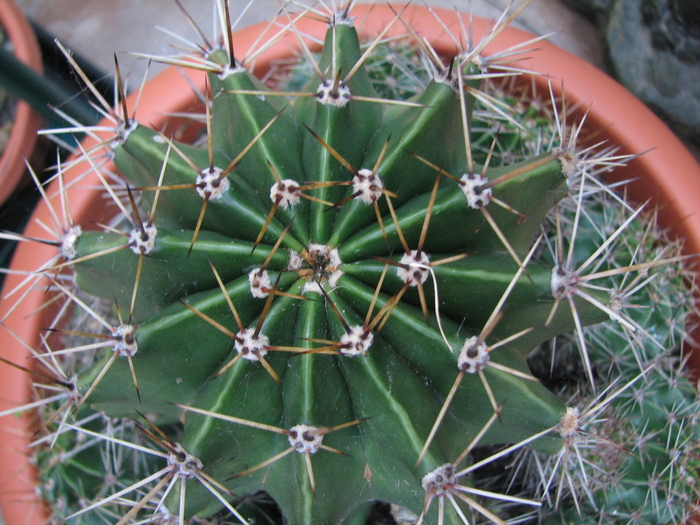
329	301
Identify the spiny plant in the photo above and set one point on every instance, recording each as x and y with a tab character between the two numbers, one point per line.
634	456
328	302
642	431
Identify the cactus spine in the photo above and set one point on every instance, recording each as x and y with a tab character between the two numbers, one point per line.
330	301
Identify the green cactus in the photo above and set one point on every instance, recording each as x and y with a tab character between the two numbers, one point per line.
329	301
644	461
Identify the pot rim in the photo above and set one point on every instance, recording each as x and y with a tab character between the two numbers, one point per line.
583	83
27	122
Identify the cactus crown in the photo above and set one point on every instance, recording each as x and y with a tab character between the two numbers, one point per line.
329	300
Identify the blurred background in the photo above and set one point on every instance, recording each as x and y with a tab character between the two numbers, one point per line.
98	28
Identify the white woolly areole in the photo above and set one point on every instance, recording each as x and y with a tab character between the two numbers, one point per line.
305	439
617	301
286	192
124	342
69	240
367	185
569	163
122	133
143	242
357	342
417	271
186	464
341	18
326	266
260	284
450	77
295	261
474	356
311	286
440	481
562	281
210	185
227	71
471	184
328	95
569	422
250	346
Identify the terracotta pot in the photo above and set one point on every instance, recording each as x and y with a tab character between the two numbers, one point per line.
27	121
168	92
667	174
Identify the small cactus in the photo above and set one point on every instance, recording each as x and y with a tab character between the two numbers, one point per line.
328	301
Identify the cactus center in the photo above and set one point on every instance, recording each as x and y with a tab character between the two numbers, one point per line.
317	264
305	438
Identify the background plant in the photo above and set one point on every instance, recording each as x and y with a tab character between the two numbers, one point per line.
395	398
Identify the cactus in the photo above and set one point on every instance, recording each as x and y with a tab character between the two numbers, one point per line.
328	301
643	467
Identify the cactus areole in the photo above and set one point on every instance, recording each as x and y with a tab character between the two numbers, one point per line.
329	294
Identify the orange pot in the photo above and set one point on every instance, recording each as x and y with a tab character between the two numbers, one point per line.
667	173
27	121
